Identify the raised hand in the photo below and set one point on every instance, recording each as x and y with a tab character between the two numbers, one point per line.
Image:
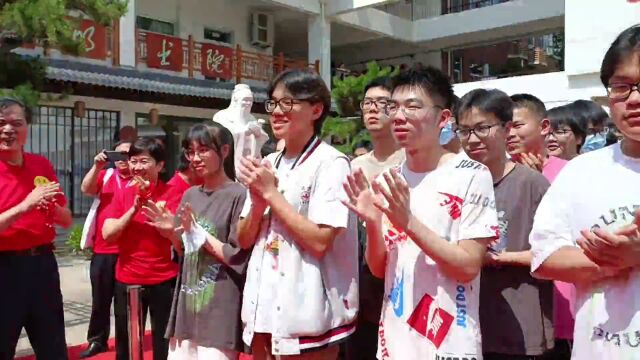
535	162
42	196
397	207
160	218
362	199
620	249
185	215
100	160
258	176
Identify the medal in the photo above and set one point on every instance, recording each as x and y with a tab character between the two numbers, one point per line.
40	181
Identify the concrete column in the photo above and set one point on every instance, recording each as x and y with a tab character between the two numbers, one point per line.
319	35
128	36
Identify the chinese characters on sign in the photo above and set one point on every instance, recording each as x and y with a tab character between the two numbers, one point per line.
217	61
164	52
95	39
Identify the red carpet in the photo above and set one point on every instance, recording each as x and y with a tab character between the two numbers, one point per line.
75	350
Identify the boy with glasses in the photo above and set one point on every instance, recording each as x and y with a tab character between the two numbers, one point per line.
428	229
509	295
386	154
591	238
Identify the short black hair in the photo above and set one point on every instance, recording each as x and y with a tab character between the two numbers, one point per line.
381	82
154	146
492	101
567	115
269	147
531	103
627	43
363	144
588	111
5	102
183	163
307	85
431	80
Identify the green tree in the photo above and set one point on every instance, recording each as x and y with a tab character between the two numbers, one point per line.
346	130
46	23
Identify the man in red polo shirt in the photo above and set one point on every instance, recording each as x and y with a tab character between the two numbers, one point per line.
145	254
31	204
104	184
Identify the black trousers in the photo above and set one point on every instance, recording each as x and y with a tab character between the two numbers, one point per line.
102	272
157	300
363	344
31	298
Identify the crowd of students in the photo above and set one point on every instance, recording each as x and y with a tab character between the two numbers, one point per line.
465	233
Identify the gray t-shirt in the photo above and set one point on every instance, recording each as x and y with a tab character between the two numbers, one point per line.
516	310
206	304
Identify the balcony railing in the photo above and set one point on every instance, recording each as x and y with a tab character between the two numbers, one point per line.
464	5
220	62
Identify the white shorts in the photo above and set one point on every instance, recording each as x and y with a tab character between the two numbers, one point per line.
188	350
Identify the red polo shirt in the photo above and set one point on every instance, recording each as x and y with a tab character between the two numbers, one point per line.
178	184
16	182
106	193
145	255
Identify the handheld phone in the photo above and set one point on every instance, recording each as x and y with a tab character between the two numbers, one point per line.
116	156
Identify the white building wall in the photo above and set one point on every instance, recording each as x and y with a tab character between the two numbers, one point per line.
192	16
590	27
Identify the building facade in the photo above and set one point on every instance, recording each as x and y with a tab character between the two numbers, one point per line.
163	67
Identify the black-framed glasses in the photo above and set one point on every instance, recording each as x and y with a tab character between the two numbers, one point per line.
368	103
286	104
560	132
621	91
481	131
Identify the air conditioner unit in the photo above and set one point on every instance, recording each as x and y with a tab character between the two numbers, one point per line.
262	29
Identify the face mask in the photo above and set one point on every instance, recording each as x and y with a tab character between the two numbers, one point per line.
593	142
447	134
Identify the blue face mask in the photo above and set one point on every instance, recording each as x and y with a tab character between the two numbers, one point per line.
447	134
593	142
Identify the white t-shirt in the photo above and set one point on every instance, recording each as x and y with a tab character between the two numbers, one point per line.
597	189
425	314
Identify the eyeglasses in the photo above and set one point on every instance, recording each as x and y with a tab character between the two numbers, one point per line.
560	132
368	103
286	104
481	131
408	110
202	153
621	91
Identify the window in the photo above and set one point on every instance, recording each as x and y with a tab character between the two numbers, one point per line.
156	26
262	24
217	35
457	69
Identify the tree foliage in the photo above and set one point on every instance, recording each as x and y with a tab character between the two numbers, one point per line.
47	23
346	130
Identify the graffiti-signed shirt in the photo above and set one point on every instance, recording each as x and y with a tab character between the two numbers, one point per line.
599	189
426	314
206	305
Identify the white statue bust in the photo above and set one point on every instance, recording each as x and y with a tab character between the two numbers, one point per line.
248	135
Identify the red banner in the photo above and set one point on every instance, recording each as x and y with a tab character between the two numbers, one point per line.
95	39
217	61
164	52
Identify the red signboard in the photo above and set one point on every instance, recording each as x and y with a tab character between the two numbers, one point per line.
217	61
95	39
164	52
